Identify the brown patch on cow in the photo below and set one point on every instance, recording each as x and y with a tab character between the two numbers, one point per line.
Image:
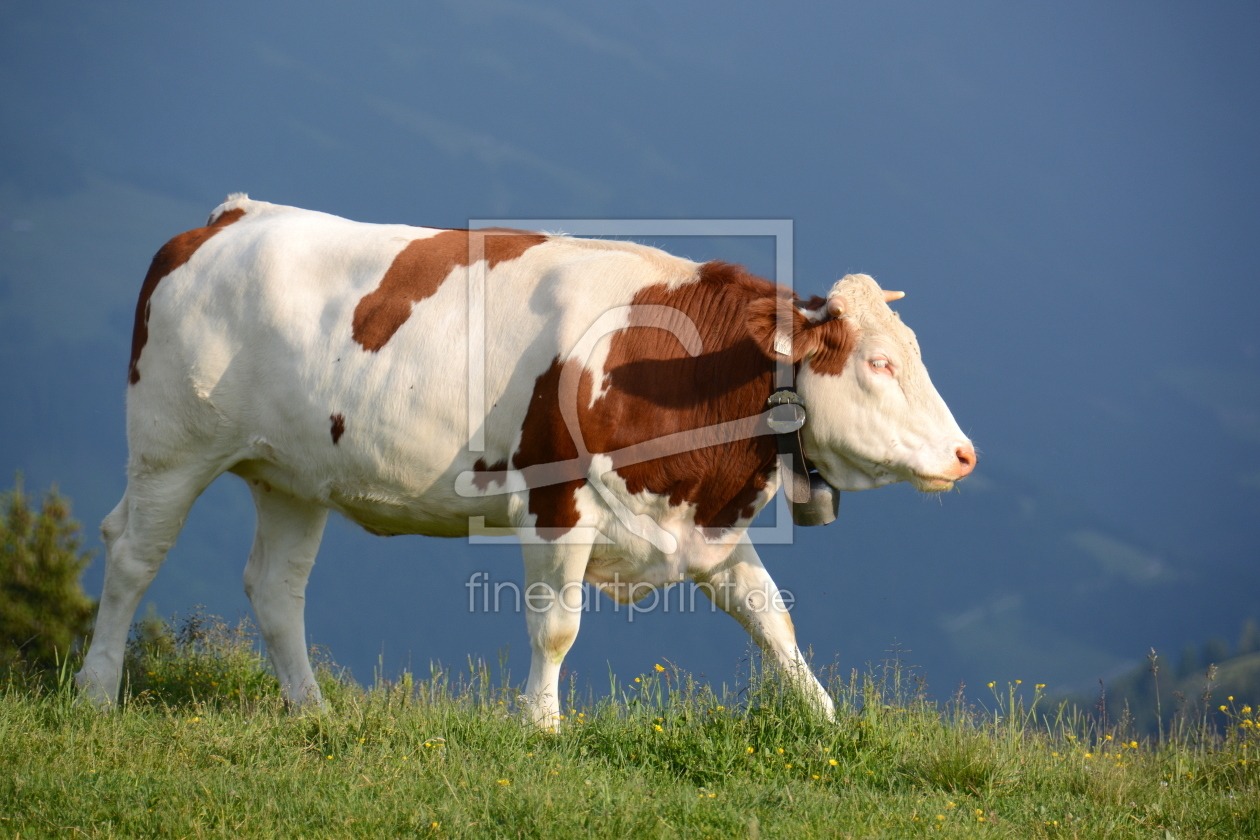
544	440
481	473
418	271
338	426
654	388
169	257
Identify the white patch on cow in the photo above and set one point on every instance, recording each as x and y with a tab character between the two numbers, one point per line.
628	557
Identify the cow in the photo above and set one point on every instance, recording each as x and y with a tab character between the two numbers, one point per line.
616	421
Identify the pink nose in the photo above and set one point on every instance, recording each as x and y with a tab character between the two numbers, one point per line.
966	460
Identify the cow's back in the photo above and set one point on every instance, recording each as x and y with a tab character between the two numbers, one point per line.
330	358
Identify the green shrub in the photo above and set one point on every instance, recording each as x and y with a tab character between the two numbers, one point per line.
44	613
197	659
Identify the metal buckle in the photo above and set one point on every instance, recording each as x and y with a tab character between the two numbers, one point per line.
813	500
787	411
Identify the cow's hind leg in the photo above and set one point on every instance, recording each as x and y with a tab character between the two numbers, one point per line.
138	534
744	589
553	612
285	543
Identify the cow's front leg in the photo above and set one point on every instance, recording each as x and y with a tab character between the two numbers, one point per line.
553	611
744	589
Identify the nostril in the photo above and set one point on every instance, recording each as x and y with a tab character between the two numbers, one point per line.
966	458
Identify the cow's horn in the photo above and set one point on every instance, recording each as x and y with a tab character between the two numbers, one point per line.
835	306
889	297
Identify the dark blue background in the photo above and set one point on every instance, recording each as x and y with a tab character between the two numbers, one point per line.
1067	193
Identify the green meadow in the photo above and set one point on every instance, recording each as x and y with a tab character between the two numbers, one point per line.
202	746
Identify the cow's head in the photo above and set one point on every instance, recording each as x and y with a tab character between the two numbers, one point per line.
874	416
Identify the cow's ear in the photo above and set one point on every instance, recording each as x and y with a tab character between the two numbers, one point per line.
780	329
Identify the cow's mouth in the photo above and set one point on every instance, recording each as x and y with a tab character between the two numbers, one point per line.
884	473
880	473
931	484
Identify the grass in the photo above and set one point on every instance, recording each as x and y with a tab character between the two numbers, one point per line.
203	746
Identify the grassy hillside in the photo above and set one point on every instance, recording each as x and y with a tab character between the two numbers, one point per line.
204	747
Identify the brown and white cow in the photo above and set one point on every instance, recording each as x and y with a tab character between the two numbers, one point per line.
326	362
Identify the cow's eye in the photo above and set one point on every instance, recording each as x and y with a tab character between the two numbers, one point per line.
879	364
